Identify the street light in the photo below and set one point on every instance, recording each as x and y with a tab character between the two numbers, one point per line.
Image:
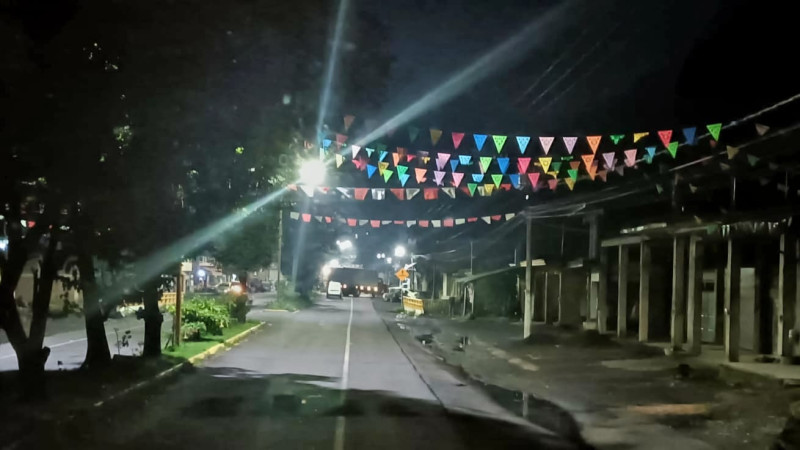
399	251
312	172
381	255
345	245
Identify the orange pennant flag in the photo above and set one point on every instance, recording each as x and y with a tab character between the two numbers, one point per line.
594	142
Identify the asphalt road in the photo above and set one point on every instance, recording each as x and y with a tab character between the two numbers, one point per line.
334	376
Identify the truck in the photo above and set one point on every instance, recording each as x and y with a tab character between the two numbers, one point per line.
356	281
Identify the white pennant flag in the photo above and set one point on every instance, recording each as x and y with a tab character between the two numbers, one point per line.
355	150
386	222
410	223
319	218
341	220
487	219
461	221
450	191
294	215
309	190
363	222
482	191
510	216
436	223
378	193
411	192
347	192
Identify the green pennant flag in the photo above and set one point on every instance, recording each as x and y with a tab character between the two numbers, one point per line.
555	167
714	129
413	132
752	159
484	162
472	187
497	178
659	188
401	170
573	173
387	174
498	142
616	137
673	148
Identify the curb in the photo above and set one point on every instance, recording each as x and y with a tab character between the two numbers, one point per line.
189	362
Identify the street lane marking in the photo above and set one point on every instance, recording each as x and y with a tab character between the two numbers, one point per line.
338	437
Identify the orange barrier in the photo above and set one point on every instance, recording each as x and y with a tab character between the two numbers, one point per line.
413	305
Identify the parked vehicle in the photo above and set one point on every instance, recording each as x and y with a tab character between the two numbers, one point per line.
393	294
334	290
257	285
356	281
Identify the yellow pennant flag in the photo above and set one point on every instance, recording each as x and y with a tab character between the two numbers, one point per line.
637	136
545	162
435	135
339	160
570	183
382	166
489	188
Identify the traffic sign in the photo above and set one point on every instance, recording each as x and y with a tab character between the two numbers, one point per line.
401	274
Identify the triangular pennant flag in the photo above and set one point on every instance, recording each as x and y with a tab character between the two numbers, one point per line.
399	193
487	219
453	165
514	178
752	159
592	170
587	159
430	193
569	143
348	120
503	163
574	165
382	155
724	166
403	178
659	188
438	177
411	192
387	174
573	174
381	147
346	192
326	143
420	172
402	152
615	138
461	221
378	193
761	129
712	143
499	141
294	215
689	134
441	160
553	182
328	219
401	170
488	188
603	174
457	177
692	188
665	136
522	142
435	135
619	170
424	223
570	183
309	190
375	223
451	192
396	158
545	162
477	177
555	167
355	149
413	132
510	216
361	193
594	142
339	160
369	151
382	166
484	163
637	136
497	217
447	223
651	152
630	157
522	164
457	138
341	138
534	179
546	142
410	223
673	148
608	157
386	222
306	217
480	139
714	129
497	178
505	186
472	219
471	187
465	160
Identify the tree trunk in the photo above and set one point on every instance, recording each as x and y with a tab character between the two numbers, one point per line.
97	352
152	320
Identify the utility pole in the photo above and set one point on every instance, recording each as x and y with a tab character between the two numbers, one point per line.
176	320
470	257
280	246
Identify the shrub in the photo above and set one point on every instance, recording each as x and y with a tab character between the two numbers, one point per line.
193	330
211	313
238	307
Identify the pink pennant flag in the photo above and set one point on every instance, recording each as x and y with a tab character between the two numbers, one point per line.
438	177
348	120
569	142
534	178
457	177
546	143
457	137
410	157
609	159
522	164
630	157
665	136
553	182
441	160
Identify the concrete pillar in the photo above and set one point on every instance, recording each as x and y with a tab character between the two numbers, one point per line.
719	294
602	293
545	306
645	263
622	292
759	280
732	294
787	288
445	291
678	316
528	312
695	296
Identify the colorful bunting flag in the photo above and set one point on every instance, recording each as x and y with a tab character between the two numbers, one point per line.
546	142
306	217
689	134
651	152
346	192
480	139
484	162
375	223
370	170
348	121
522	164
438	177
403	178
387	174
453	165
369	151
522	142
477	177
339	160
603	174
497	178
309	190
594	142
608	157
361	193
573	174
630	157
752	159
499	141
555	167
411	192
457	177
410	223
378	193
457	138
326	143
553	183
592	170
471	187
534	179
673	148
587	160
569	143
399	193
665	136
401	170
420	173
503	163
382	155
638	136
380	147
449	191
354	149
465	160
430	193
413	132
761	129
570	183
341	139
514	178
487	219
714	129
488	189
447	223
574	165
424	223
382	166
396	158
615	138
435	135
545	161
619	170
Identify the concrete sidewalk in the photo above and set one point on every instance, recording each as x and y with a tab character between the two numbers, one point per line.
622	393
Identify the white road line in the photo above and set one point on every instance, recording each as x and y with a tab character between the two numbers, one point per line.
338	438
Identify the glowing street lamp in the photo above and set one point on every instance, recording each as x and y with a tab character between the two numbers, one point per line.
399	251
312	172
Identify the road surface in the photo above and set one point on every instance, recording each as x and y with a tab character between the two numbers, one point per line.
334	376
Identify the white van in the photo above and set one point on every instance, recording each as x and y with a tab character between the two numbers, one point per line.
334	290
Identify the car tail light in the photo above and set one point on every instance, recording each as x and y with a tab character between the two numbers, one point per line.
344	285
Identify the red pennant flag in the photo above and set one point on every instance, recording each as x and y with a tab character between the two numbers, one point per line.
665	136
522	164
375	223
593	141
421	175
423	223
399	222
352	222
360	164
348	120
448	222
400	193
361	193
505	186
328	219
553	183
497	218
472	219
401	151
457	137
574	165
534	178
396	158
431	193
341	139
410	157
465	190
306	217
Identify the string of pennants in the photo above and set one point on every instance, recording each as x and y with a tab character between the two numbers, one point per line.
451	168
428	193
423	223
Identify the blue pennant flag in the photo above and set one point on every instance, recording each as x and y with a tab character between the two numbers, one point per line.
514	177
651	152
503	163
453	165
523	141
465	159
404	178
477	177
480	139
689	134
370	170
326	143
383	156
369	151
